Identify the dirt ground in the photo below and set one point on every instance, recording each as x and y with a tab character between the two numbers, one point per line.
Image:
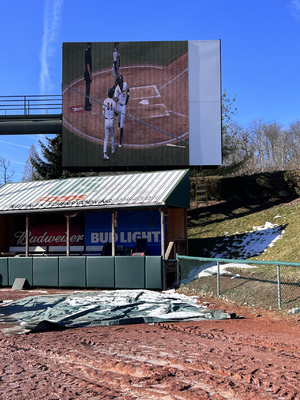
255	357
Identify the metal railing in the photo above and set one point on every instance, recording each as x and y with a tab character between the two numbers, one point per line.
30	105
264	284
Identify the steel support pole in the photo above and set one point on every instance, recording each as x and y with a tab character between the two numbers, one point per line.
27	237
162	233
113	235
68	235
279	287
164	276
218	279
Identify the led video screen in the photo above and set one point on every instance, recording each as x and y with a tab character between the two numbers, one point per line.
141	104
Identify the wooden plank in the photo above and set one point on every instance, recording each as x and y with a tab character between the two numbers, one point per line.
169	249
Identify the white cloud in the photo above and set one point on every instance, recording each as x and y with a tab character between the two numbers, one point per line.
52	23
294	7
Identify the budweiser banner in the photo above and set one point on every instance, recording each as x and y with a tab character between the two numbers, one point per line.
52	231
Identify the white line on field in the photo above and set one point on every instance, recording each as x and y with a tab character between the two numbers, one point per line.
172	80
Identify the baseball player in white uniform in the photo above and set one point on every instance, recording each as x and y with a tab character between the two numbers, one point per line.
108	112
116	61
121	97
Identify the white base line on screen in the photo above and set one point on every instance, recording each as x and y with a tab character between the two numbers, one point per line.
175	145
174	79
161	106
176	113
144	87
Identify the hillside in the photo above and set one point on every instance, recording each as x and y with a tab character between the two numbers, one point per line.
254	230
221	224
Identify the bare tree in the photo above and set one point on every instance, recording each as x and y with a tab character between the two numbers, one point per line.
258	142
5	173
293	136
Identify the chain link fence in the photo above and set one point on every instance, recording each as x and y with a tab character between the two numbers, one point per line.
269	285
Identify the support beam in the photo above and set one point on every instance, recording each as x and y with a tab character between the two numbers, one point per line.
162	233
113	236
68	235
27	237
21	125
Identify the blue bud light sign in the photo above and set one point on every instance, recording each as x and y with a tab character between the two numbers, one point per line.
131	225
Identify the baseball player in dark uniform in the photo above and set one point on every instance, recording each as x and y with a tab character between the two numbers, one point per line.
88	75
116	62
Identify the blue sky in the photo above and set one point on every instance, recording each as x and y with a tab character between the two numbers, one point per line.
259	49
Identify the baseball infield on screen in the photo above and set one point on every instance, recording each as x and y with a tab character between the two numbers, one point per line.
157	113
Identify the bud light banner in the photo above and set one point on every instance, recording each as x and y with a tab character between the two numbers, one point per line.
131	225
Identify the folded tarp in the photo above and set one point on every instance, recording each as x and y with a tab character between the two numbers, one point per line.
119	307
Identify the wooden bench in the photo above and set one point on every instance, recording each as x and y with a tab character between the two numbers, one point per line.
33	250
96	250
62	250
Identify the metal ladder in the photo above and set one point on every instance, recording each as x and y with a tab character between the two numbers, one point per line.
201	190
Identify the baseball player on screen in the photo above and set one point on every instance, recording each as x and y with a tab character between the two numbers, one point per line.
121	97
116	61
108	112
88	75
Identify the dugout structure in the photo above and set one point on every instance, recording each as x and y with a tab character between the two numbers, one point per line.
52	237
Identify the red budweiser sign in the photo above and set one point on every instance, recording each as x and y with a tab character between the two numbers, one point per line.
50	236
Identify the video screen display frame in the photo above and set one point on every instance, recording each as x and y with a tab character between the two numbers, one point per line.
172	118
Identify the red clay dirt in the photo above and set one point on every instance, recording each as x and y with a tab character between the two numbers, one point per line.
256	357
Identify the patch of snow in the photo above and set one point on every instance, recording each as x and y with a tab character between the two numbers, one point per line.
247	245
211	268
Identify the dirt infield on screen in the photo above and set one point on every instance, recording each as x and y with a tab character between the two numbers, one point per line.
156	115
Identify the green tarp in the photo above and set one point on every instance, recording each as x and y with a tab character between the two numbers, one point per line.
118	307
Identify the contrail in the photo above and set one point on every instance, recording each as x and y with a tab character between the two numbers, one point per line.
14	144
52	22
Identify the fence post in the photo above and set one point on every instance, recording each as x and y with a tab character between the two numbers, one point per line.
218	279
278	287
177	272
164	275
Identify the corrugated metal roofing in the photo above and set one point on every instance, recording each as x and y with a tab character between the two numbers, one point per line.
97	192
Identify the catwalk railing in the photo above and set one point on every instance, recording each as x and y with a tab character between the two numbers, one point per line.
264	284
30	105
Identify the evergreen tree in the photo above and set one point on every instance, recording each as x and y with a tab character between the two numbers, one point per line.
50	167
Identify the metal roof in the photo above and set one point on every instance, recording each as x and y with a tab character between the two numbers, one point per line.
139	190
